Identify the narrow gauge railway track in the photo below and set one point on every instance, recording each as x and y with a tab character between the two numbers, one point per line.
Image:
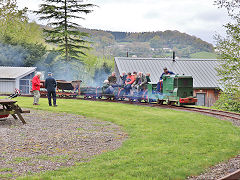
218	113
232	176
231	115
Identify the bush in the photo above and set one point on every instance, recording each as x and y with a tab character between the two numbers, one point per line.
228	101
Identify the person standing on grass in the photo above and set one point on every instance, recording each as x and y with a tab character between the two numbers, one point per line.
36	87
50	85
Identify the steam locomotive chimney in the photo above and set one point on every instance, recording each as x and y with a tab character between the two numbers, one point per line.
174	56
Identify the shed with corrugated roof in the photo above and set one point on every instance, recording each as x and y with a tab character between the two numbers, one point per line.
205	79
12	78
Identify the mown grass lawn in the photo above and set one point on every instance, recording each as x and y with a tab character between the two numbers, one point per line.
162	144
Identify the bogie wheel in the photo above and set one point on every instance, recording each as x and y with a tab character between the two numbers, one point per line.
173	103
170	103
160	102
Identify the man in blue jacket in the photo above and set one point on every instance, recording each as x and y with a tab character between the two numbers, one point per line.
50	85
160	84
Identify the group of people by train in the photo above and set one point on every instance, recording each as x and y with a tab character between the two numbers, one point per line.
135	81
129	84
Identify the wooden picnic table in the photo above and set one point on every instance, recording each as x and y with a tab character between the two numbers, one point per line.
8	107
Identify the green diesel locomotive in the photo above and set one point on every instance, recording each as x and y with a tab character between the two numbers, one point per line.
177	89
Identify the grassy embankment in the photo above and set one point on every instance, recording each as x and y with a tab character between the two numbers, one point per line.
162	144
203	55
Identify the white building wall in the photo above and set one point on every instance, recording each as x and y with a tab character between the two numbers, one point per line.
17	84
7	86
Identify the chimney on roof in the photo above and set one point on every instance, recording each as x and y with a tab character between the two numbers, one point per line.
174	56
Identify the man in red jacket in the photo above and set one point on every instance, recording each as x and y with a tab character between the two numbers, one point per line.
36	88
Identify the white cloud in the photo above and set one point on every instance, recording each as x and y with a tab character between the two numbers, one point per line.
199	18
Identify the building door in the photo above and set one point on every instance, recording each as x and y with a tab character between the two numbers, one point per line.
201	99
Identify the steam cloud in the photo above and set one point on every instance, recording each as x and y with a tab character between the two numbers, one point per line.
12	55
16	56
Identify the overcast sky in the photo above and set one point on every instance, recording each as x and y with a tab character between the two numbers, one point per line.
195	17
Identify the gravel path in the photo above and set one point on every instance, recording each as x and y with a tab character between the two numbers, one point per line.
52	140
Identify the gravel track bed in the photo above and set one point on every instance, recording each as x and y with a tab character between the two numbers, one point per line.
52	140
224	168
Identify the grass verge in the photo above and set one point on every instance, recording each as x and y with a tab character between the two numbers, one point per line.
162	144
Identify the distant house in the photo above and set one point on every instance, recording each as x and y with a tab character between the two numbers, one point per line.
167	49
205	79
12	78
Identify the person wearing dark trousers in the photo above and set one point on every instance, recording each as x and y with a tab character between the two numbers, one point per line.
50	85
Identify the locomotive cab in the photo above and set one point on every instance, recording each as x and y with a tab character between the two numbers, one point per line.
178	89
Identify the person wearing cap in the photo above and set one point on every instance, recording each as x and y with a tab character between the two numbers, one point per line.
50	85
36	88
160	83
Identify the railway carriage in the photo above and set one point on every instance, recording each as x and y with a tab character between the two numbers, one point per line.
64	88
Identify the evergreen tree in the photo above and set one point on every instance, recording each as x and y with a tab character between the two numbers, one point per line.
62	29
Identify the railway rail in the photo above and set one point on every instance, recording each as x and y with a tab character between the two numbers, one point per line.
219	113
215	112
232	176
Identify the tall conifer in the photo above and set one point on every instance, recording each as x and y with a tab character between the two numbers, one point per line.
62	30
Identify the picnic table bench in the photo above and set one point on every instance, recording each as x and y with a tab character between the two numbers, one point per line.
8	107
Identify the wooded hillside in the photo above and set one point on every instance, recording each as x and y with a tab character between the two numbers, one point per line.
147	44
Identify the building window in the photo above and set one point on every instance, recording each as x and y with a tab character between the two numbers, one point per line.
25	84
